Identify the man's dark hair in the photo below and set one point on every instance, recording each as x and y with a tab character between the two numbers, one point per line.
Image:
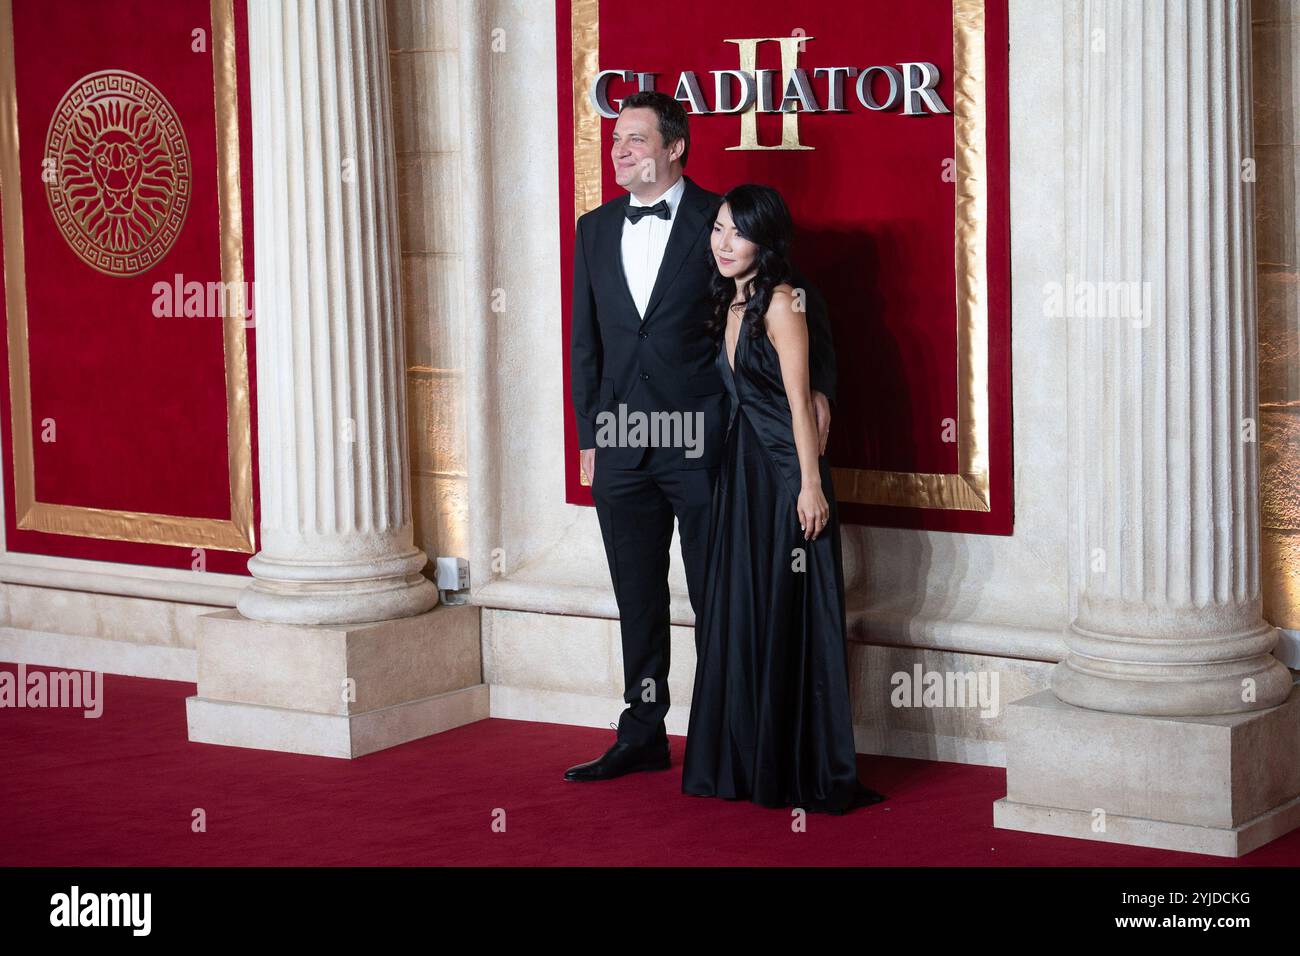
673	124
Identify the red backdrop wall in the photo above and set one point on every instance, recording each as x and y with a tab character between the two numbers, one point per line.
139	401
874	215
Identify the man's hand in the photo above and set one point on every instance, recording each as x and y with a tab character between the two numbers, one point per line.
587	462
822	410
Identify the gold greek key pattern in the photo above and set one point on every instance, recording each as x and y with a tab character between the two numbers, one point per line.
120	172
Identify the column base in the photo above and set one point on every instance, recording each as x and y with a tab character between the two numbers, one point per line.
1219	785
336	690
1091	677
342	602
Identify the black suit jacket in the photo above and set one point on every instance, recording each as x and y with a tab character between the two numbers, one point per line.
666	361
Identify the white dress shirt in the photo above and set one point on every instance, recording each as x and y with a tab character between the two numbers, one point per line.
644	242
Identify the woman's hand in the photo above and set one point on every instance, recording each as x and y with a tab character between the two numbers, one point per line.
814	512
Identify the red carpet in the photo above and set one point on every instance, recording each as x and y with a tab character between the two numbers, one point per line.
121	790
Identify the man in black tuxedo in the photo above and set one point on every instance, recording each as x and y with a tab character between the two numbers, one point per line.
642	264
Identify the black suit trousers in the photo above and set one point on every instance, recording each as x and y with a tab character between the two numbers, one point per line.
636	508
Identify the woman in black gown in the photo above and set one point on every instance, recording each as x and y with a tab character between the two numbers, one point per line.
771	719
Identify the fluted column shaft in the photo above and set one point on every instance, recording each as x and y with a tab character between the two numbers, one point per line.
1163	398
336	535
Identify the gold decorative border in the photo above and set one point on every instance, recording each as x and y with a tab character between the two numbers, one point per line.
585	24
968	489
237	532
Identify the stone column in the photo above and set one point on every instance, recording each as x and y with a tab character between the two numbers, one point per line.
337	647
1164	405
336	543
1164	510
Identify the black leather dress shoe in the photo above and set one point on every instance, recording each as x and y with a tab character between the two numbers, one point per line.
620	759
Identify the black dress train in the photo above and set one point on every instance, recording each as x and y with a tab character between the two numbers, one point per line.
771	717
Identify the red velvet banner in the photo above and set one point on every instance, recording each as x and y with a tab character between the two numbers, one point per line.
128	415
902	220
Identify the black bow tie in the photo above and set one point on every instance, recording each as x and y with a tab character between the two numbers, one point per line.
660	209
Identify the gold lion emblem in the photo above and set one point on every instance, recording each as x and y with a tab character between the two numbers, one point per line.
118	172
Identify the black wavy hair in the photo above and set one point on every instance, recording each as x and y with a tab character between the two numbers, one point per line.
761	216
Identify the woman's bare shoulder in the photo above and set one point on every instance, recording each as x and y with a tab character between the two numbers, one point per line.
782	307
785	323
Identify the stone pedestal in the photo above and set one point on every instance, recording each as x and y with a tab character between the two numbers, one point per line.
1220	785
336	690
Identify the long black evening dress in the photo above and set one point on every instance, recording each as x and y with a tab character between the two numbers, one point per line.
771	718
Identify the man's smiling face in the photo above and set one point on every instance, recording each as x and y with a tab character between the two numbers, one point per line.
638	151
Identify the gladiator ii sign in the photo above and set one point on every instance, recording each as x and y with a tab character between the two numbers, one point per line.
909	88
